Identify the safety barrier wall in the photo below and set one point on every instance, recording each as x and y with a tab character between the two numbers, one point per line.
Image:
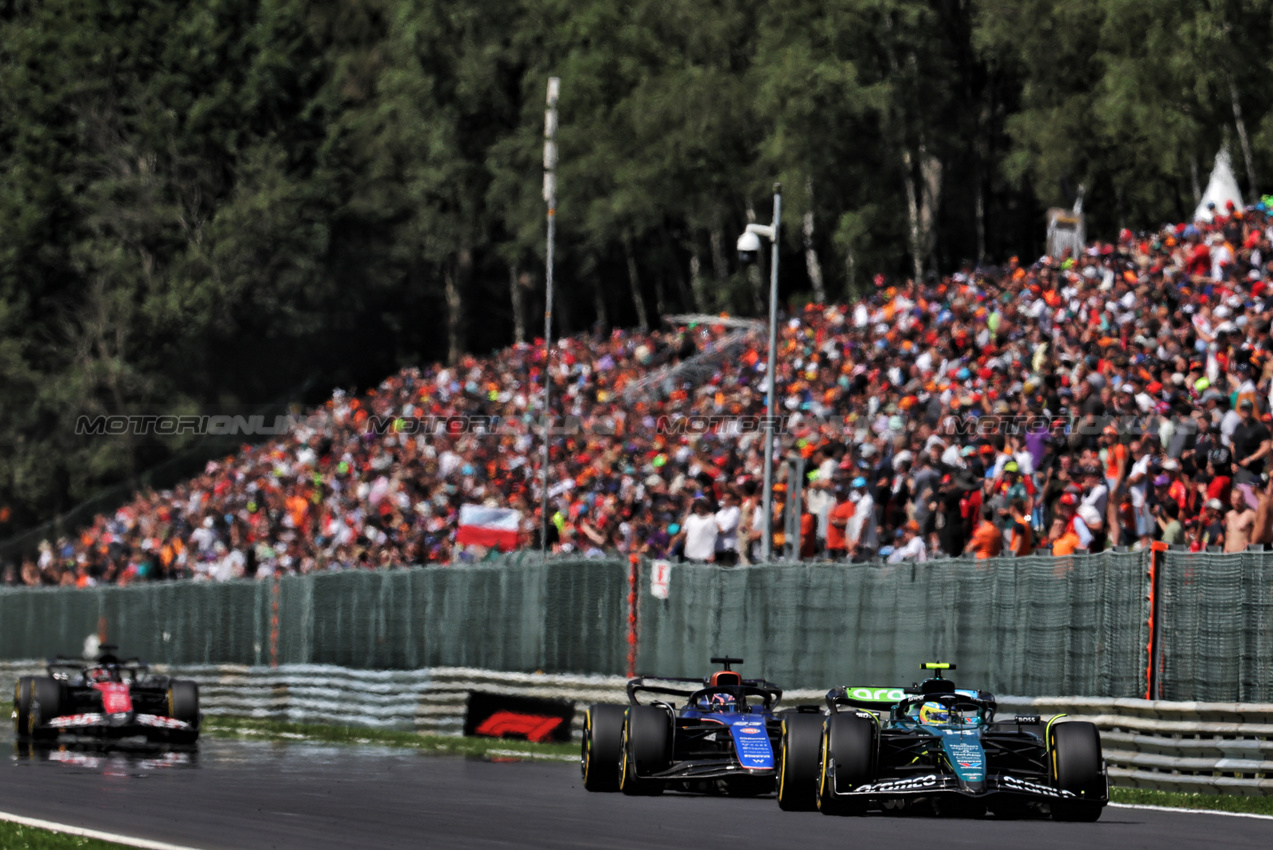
1201	747
1168	746
1215	619
564	616
1027	625
1038	626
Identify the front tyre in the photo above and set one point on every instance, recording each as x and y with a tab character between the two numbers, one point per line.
798	763
647	748
183	704
1077	768
601	752
848	762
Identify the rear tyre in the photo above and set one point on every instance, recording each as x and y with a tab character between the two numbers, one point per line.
45	704
601	752
848	761
798	763
647	748
23	692
183	704
1076	767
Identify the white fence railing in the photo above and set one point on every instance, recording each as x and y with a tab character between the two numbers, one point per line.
1169	746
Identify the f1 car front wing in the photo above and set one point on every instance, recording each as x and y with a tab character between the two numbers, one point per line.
97	720
939	783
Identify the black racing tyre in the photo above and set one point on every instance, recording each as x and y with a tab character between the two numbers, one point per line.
183	701
601	752
183	704
23	693
46	704
1077	767
647	748
798	754
848	761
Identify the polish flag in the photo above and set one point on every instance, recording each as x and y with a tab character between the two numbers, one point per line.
482	526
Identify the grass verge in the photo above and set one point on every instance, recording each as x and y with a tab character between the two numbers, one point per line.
14	836
1175	800
272	730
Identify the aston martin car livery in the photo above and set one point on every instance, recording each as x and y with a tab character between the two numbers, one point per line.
107	699
939	748
717	735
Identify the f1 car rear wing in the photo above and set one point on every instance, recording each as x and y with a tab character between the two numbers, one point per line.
869	698
63	666
686	688
885	699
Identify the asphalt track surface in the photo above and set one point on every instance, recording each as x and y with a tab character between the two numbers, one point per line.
249	795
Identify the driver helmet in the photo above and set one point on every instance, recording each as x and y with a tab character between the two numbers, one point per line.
717	702
934	714
99	674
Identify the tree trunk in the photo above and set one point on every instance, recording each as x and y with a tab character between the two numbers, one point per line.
454	315
519	304
635	282
1252	187
599	304
561	316
850	274
683	292
930	169
757	289
720	267
810	253
696	284
912	215
1197	187
983	156
753	271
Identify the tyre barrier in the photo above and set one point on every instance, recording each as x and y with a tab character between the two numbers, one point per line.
1215	748
428	701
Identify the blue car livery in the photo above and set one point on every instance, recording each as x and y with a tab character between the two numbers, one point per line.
718	734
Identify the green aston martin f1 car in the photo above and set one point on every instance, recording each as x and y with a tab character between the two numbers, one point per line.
938	748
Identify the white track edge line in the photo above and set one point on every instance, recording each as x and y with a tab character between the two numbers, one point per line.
80	832
1192	811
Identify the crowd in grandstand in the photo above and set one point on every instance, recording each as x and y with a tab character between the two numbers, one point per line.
1115	398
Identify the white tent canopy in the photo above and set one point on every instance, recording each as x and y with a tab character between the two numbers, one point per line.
1221	188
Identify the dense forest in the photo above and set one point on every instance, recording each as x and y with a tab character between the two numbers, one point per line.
206	206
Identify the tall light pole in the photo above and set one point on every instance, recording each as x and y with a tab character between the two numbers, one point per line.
747	246
550	197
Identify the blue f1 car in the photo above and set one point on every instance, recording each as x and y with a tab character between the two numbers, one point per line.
937	748
721	739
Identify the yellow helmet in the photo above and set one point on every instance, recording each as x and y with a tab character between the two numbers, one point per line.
934	714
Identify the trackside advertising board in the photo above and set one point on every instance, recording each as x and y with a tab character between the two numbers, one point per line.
492	715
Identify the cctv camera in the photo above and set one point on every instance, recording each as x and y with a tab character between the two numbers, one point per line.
748	248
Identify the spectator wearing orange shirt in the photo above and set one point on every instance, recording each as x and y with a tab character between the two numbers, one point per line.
987	540
1022	533
1069	532
837	520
